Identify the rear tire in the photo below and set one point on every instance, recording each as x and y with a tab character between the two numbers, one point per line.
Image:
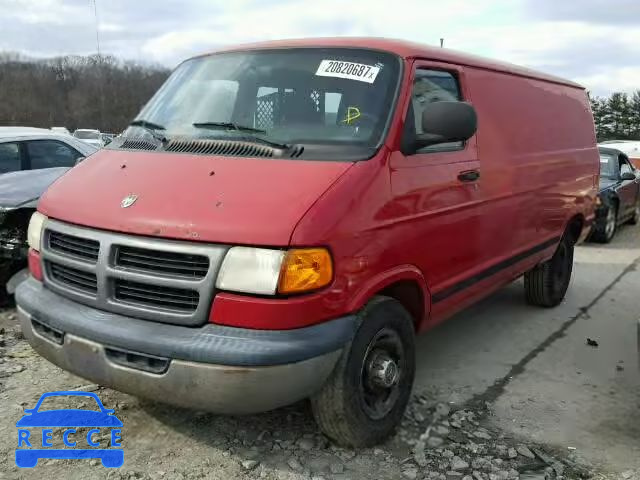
546	284
364	399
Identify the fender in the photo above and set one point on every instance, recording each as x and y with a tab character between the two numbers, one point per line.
383	279
586	226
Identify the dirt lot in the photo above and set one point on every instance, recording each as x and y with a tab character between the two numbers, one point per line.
503	391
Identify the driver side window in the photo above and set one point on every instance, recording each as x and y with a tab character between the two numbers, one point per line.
625	167
431	86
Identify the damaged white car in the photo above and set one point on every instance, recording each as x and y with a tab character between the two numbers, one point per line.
31	159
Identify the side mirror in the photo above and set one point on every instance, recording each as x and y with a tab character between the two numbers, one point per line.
628	176
444	122
79	159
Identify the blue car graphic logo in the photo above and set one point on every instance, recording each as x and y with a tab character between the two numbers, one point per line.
69	420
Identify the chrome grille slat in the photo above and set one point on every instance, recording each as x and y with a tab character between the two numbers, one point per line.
150	278
70	248
72	245
153	295
86	282
154	261
145	265
153	291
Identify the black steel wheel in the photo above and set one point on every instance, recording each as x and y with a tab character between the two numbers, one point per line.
546	284
606	228
364	399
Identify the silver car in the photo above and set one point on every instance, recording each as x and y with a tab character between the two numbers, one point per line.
31	159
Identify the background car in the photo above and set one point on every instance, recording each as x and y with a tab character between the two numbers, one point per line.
61	130
89	136
107	138
619	195
630	147
25	148
31	159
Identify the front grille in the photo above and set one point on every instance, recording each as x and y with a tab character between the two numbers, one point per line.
153	279
162	262
82	248
73	278
169	298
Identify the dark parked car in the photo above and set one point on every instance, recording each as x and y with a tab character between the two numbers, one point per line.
619	196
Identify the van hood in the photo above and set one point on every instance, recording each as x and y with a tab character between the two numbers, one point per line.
190	197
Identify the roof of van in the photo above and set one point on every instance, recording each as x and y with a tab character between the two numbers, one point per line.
403	49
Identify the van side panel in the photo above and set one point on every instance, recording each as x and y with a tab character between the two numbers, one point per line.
539	158
539	169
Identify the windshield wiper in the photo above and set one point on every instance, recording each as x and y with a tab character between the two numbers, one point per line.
227	126
241	128
150	127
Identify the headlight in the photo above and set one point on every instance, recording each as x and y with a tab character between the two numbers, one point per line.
264	271
34	233
250	270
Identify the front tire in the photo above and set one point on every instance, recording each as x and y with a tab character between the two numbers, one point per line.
546	284
364	399
605	231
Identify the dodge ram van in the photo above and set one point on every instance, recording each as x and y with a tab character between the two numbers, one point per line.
281	219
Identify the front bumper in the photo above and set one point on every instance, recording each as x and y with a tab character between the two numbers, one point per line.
213	367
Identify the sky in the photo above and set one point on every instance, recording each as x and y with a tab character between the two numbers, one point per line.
593	42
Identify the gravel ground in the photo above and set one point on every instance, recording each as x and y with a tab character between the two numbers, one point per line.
436	441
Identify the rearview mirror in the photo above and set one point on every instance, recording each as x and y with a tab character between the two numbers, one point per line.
444	122
627	176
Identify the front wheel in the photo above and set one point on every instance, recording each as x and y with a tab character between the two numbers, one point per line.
546	284
606	229
365	397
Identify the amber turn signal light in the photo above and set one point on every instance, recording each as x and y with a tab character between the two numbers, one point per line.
305	269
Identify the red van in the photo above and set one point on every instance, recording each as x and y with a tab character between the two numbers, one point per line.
281	219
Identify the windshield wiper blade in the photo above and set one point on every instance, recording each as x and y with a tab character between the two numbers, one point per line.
227	126
241	128
150	127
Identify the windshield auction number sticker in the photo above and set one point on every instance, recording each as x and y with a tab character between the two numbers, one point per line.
348	70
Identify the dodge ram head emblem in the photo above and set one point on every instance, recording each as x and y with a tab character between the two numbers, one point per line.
128	200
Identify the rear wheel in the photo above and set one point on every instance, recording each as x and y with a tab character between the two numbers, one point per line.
546	284
364	399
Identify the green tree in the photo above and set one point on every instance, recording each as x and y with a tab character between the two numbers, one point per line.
634	107
619	115
600	110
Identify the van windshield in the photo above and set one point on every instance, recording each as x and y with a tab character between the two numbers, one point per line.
322	96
